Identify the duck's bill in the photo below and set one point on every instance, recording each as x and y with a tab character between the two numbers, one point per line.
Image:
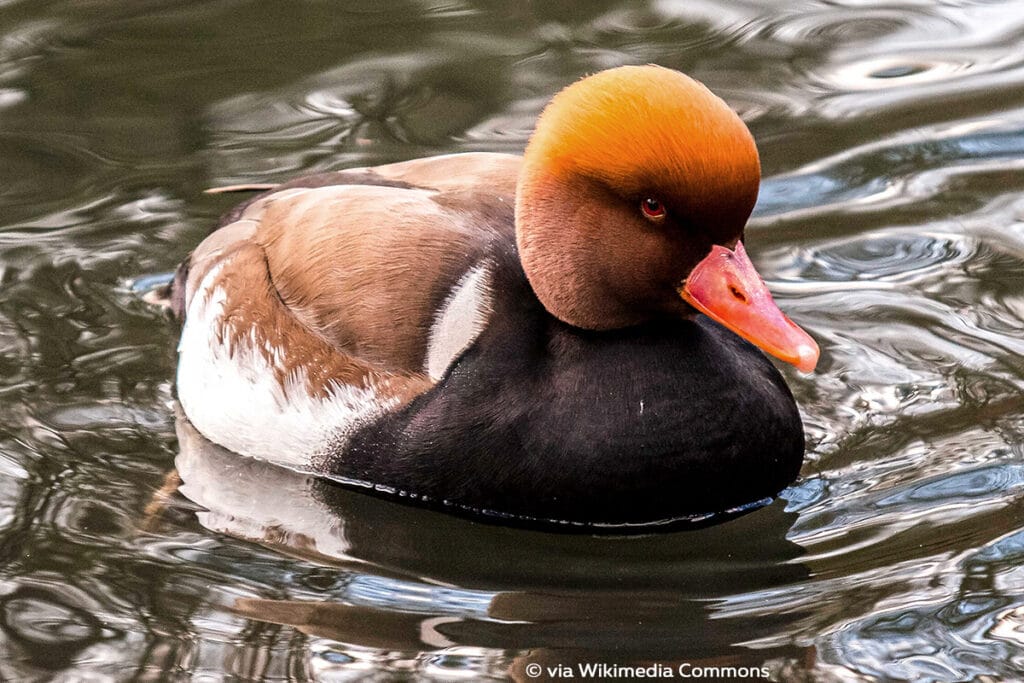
726	288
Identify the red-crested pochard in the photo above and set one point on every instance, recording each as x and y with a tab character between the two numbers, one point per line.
569	336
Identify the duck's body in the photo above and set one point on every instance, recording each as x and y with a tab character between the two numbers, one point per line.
383	326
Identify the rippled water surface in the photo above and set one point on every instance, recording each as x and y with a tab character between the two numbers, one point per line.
890	224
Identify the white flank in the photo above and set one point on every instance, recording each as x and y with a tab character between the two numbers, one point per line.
233	398
462	317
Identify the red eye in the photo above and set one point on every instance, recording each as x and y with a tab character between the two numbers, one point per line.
652	209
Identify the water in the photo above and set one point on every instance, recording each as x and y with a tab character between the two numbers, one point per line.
890	225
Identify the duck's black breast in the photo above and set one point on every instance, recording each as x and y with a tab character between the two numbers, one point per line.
539	420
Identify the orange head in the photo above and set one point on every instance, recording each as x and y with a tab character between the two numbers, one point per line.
630	178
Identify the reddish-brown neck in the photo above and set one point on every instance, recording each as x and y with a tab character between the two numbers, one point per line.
602	146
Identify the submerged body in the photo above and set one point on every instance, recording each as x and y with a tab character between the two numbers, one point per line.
385	327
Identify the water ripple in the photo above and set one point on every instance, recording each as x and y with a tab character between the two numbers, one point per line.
890	256
916	57
882	173
891	225
364	108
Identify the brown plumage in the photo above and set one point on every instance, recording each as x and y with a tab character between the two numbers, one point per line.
348	277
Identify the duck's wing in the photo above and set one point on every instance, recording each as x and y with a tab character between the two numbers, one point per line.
323	303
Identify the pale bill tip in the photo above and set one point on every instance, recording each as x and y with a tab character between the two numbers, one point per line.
807	357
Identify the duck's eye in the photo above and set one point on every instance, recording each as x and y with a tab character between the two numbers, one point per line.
652	209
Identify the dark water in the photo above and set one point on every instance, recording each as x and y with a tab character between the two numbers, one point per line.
891	225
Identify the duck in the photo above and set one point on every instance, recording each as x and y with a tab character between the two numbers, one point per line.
574	337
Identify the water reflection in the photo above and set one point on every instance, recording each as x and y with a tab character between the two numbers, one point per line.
411	579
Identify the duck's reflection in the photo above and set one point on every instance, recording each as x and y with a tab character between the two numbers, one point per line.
417	580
